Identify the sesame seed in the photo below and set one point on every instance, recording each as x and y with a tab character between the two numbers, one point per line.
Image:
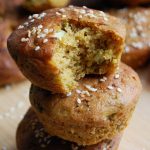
117	76
82	11
40	26
62	10
32	20
45	40
105	18
42	35
29	33
71	6
90	11
69	94
30	17
24	39
42	15
80	16
119	90
37	48
86	93
26	23
78	91
90	88
21	27
35	15
57	13
84	7
103	79
110	87
78	100
64	16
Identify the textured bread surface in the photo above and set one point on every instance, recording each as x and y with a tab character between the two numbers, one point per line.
98	109
56	48
32	136
9	72
137	49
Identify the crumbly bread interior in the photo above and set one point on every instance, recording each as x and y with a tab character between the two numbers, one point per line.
83	50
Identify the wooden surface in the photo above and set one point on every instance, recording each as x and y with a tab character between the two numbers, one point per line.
14	103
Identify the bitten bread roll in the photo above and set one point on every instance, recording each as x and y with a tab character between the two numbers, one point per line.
137	20
98	109
32	136
56	48
9	72
40	5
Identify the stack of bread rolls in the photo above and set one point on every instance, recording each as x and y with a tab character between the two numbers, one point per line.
82	96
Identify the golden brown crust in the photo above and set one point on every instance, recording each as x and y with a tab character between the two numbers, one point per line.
32	136
9	71
34	57
137	20
96	110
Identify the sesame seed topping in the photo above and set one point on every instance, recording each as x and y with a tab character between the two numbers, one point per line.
62	10
42	15
37	48
78	91
90	88
32	20
35	16
71	6
80	16
45	40
84	7
41	35
86	93
64	16
26	23
110	87
29	33
57	13
78	100
119	90
82	11
117	76
40	26
24	39
21	27
69	94
103	79
30	17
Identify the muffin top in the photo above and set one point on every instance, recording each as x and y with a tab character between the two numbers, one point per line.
38	35
93	101
62	45
137	21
